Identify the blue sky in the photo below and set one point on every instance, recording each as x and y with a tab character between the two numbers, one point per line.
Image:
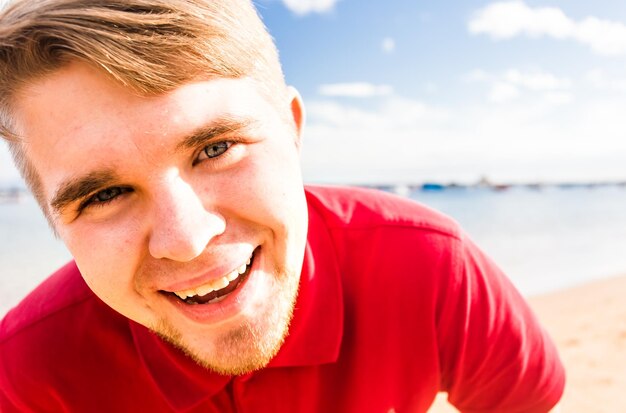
415	91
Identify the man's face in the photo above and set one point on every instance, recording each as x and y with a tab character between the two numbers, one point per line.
185	212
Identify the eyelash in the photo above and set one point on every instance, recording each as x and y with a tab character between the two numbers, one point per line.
92	201
224	145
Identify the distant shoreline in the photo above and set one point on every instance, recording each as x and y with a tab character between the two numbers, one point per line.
10	194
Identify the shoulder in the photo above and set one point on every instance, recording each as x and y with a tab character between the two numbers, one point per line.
56	320
361	208
54	337
56	295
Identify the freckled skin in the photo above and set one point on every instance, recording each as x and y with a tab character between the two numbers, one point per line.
181	214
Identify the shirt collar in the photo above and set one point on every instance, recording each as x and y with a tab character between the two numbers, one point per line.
314	336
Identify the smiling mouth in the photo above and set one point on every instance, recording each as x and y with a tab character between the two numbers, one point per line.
215	291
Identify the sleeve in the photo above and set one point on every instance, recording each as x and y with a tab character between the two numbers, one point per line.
494	355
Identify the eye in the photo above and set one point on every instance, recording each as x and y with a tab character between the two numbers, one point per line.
215	149
105	196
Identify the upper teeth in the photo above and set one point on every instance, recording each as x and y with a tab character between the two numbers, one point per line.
214	285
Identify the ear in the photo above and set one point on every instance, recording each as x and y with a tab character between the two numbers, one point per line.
297	113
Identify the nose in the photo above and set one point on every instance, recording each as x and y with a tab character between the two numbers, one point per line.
181	226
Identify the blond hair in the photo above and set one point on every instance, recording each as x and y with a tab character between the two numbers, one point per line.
149	46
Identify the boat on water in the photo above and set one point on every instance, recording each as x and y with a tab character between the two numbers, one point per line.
12	195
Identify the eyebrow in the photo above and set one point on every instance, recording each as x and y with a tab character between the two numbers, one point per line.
78	188
215	129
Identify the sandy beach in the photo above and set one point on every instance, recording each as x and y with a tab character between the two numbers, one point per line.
588	324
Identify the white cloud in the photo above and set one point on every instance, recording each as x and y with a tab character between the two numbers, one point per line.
408	140
354	89
405	111
388	45
514	83
505	20
538	81
599	79
558	98
604	37
503	92
346	143
391	112
334	114
303	7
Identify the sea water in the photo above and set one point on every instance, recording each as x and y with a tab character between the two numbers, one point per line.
544	239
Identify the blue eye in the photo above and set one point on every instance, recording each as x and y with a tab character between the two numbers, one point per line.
105	196
216	149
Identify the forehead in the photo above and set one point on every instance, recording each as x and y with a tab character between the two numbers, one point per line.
79	98
78	117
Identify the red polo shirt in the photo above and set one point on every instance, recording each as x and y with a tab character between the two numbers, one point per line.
395	304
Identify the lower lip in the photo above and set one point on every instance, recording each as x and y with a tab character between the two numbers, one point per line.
229	307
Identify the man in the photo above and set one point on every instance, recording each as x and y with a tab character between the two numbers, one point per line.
162	144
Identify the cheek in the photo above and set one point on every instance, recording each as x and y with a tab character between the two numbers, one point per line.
270	190
278	202
107	257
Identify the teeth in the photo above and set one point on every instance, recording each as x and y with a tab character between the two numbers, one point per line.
186	293
205	289
214	285
221	283
232	275
217	300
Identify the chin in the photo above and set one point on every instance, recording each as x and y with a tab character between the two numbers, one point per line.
249	344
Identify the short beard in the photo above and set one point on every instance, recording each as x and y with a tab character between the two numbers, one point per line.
247	347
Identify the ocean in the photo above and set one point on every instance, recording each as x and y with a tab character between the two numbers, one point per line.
544	239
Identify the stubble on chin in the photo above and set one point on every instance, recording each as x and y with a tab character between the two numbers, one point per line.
246	347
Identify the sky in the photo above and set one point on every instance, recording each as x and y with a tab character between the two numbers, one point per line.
413	91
